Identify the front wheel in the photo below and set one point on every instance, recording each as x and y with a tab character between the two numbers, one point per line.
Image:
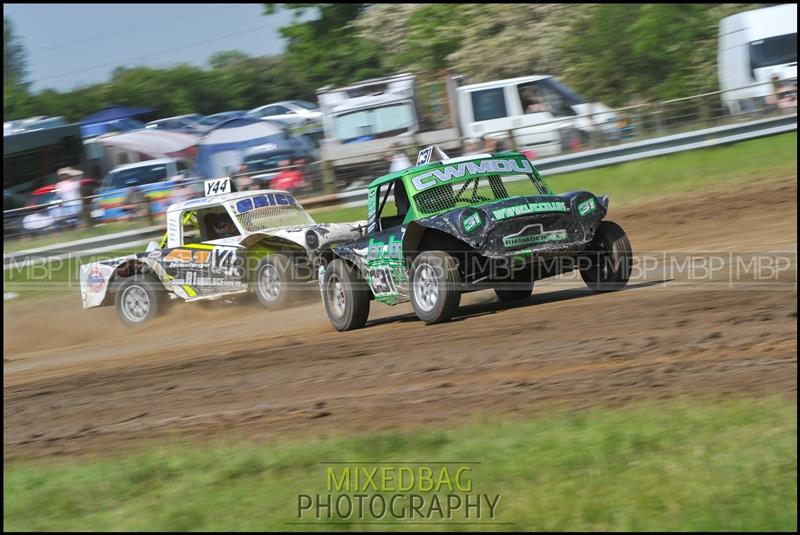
272	281
435	281
138	299
346	296
609	259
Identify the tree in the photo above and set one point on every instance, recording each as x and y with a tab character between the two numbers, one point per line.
656	51
504	41
483	42
15	84
385	27
328	49
226	58
608	52
14	59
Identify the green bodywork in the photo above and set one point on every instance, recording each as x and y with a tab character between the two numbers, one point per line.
385	268
411	179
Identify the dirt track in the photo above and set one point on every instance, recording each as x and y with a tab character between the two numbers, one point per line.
77	381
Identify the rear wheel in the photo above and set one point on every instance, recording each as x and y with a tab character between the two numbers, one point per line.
139	299
435	291
346	296
609	259
273	280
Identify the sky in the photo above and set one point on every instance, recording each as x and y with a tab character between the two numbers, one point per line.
69	45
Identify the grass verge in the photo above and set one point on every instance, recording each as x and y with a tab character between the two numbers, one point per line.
696	465
747	161
33	242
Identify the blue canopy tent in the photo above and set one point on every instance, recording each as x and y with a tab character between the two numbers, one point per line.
111	119
223	149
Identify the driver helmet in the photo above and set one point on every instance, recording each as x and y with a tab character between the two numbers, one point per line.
224	226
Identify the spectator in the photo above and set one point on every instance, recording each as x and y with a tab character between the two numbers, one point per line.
68	190
785	94
87	189
289	179
244	182
537	106
398	159
137	205
532	100
471	146
489	144
182	192
772	98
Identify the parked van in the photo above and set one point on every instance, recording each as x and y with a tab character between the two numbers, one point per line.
754	46
366	118
544	114
371	109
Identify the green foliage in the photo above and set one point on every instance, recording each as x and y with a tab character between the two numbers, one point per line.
481	41
433	35
327	49
15	85
234	81
619	52
14	58
612	53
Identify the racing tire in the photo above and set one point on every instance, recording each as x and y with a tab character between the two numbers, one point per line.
139	299
435	287
519	288
523	290
609	258
273	280
346	296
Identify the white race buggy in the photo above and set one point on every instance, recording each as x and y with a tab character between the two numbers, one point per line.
217	247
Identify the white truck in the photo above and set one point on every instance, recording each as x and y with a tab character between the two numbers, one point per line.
366	118
753	46
543	113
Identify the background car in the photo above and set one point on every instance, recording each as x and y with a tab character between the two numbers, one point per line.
12	221
159	182
185	123
293	112
215	119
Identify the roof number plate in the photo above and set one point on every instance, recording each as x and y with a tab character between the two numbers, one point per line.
424	156
218	186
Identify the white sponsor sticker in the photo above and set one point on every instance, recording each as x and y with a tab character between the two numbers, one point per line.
217	186
450	172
